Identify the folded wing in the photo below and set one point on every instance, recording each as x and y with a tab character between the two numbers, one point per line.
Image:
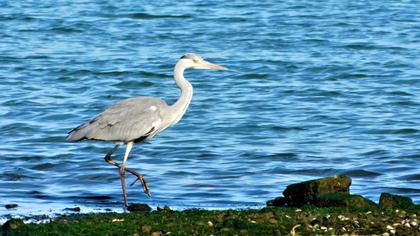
129	120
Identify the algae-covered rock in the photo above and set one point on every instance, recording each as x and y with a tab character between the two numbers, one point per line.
12	224
388	200
358	201
307	192
278	201
139	207
343	200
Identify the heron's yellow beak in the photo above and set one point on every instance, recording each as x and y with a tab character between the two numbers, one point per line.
207	65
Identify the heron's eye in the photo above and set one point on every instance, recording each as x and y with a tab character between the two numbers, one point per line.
195	59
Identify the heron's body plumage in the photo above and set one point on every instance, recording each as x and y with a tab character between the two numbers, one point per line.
125	121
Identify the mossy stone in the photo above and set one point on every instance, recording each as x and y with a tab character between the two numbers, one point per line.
357	201
343	200
307	192
388	200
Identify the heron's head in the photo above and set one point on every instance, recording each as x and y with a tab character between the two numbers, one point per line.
190	60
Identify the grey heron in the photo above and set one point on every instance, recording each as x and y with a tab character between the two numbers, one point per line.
139	119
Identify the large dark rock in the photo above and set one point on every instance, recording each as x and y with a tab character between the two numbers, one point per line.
11	206
388	200
309	192
278	201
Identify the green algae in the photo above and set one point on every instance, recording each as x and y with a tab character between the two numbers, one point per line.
267	221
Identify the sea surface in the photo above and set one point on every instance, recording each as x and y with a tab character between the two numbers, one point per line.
313	90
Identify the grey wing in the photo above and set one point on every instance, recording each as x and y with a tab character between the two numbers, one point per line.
129	120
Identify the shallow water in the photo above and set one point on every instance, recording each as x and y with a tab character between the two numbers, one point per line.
312	90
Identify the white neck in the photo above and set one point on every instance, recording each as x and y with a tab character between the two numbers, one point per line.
180	106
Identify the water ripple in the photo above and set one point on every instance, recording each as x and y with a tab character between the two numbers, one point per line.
311	91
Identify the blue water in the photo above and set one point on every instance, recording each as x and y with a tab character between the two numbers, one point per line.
312	90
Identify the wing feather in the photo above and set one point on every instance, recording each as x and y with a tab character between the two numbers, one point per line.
125	121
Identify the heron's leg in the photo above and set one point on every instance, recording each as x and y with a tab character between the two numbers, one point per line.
108	158
122	171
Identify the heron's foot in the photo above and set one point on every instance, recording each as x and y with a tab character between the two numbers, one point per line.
140	178
133	172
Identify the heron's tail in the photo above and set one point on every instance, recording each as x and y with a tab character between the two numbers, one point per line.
78	133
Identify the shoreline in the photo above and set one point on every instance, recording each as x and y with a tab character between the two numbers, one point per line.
268	221
319	206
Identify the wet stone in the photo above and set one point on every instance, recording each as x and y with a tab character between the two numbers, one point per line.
140	207
11	206
307	192
278	201
75	209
